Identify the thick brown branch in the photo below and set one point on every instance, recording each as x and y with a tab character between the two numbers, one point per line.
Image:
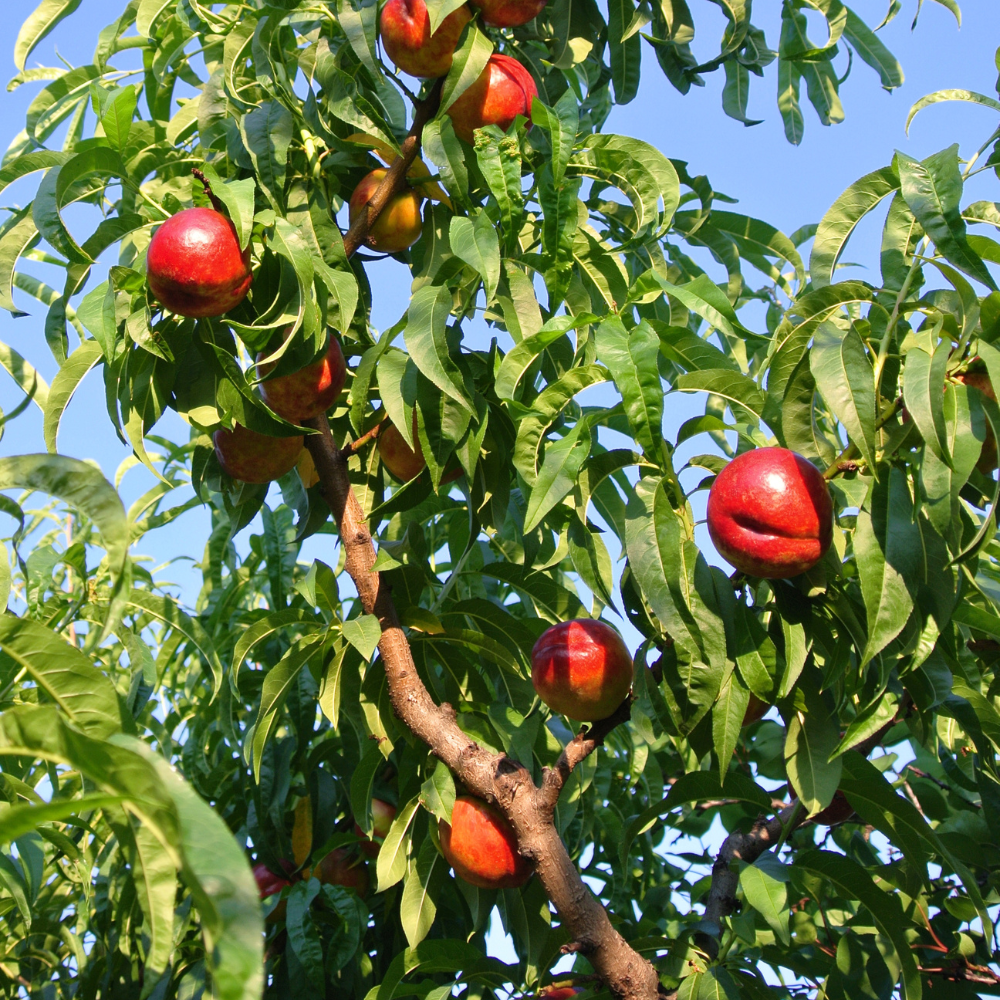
395	179
492	777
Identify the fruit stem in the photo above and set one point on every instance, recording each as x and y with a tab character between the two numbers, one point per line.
368	435
216	204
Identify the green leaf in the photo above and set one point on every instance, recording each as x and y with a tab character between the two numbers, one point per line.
923	393
437	793
843	373
81	486
267	134
13	881
867	45
418	903
932	189
476	243
31	383
392	856
28	163
842	217
675	578
426	337
855	883
303	934
560	468
889	553
363	633
640	171
155	879
552	601
727	720
116	116
22	819
561	122
467	65
266	626
736	92
15	236
69	376
951	95
519	359
360	24
631	358
763	885
41	21
166	610
625	53
811	740
362	781
277	683
734	387
438	10
68	678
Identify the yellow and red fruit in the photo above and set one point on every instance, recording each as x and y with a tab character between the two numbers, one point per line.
503	91
482	847
399	223
405	27
255	458
308	392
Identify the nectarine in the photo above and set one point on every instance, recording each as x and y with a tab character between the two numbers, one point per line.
252	457
402	461
481	846
309	391
582	669
509	13
503	91
383	814
340	867
399	223
194	265
405	27
770	513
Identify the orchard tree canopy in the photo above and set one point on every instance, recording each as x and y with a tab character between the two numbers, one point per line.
322	777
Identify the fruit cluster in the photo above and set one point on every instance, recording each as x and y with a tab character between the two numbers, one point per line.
196	267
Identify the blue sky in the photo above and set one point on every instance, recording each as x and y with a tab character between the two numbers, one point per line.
785	185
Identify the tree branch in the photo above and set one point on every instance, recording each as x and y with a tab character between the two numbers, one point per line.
493	777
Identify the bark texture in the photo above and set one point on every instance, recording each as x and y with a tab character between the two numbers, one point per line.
493	777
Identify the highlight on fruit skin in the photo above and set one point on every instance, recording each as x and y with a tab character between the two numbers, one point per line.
399	224
481	846
405	30
503	91
770	513
308	392
194	265
581	669
252	457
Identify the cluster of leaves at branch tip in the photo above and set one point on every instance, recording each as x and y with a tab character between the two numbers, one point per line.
212	787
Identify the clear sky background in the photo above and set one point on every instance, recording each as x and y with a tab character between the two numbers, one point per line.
786	185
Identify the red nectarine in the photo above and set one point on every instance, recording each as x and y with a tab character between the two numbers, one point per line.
194	265
399	223
503	91
255	458
770	513
509	13
582	669
482	847
402	461
405	27
308	392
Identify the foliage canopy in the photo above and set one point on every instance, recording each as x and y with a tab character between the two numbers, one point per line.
149	747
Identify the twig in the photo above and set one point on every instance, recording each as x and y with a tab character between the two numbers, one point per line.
369	435
216	204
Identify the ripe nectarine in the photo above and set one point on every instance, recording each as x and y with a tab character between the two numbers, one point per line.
255	458
340	867
194	265
582	669
509	13
770	513
481	846
308	392
503	91
405	27
402	461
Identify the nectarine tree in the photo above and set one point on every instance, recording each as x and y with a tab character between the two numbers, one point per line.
779	620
